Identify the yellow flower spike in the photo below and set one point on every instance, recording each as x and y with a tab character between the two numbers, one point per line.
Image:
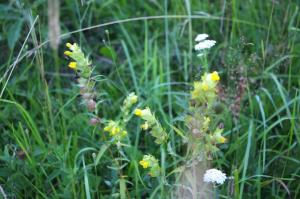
138	112
68	53
204	87
69	45
215	76
73	65
145	164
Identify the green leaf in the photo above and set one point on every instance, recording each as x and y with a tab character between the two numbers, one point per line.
108	52
14	31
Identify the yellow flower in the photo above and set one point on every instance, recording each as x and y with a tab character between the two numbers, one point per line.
221	139
107	128
204	86
68	53
215	76
145	164
69	45
138	112
72	47
73	65
134	99
124	133
115	130
145	126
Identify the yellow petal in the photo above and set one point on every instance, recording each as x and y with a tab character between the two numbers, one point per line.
124	133
114	131
68	53
134	99
69	45
138	112
215	76
107	128
145	126
222	139
145	164
73	65
204	87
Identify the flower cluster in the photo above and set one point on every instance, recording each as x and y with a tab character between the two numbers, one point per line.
151	162
203	44
81	64
151	123
203	97
214	176
130	100
205	90
83	67
115	130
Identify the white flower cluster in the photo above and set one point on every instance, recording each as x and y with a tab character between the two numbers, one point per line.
214	176
203	43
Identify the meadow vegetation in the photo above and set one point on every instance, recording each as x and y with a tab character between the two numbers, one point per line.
121	113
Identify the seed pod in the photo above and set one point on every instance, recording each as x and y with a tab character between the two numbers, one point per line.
87	96
195	131
94	121
91	105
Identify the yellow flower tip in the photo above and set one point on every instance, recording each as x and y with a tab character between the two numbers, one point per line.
73	65
69	45
68	53
145	126
115	130
204	87
134	99
215	76
222	139
138	112
145	164
124	133
106	128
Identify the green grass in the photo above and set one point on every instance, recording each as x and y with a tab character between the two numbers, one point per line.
47	142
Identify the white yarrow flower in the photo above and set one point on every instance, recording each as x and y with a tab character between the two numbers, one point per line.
214	176
201	37
206	44
203	44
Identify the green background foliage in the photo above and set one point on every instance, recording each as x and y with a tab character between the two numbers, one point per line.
47	142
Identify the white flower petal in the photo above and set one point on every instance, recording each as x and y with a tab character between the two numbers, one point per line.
201	37
206	44
214	176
